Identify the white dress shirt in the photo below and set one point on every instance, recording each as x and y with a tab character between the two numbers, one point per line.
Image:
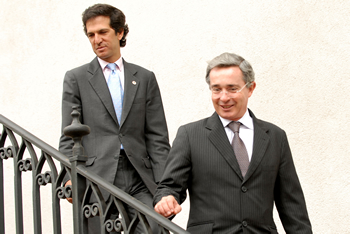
107	72
246	131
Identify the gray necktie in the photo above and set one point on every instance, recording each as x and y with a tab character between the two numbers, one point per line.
239	148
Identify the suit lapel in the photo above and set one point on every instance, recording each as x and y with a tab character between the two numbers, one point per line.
219	139
260	143
131	85
98	83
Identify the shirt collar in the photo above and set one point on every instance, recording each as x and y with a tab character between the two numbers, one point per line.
246	121
119	63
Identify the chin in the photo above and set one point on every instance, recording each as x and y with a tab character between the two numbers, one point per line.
226	116
232	117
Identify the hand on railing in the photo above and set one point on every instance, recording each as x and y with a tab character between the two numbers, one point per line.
168	206
69	199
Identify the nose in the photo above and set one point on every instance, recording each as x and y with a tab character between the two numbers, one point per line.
97	39
225	96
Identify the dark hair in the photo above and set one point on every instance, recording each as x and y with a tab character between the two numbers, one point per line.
116	16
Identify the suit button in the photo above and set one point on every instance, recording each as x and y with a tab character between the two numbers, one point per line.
244	223
244	189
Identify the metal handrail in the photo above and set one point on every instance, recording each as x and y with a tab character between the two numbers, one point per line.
74	168
137	205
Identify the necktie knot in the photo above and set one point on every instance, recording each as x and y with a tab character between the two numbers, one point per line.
112	66
234	126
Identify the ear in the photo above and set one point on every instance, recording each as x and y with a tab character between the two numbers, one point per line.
120	34
251	88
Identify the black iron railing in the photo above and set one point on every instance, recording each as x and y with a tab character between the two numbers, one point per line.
84	185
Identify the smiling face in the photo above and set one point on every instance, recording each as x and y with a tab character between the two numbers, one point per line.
231	107
104	41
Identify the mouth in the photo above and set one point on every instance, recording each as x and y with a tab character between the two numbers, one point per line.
226	107
100	48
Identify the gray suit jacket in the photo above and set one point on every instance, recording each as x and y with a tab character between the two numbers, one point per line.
221	201
143	130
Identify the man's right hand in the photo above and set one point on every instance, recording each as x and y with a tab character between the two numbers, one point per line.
69	199
168	206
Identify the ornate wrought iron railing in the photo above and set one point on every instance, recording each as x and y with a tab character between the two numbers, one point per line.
84	185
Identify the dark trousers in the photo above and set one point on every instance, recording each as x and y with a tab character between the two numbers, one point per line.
128	180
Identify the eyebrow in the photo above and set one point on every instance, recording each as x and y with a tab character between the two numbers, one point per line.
229	85
99	31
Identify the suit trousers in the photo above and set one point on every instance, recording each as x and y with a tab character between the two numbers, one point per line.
128	180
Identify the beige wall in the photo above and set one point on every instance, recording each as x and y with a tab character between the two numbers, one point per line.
300	51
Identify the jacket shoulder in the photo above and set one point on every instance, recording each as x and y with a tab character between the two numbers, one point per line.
195	125
80	68
136	67
268	125
271	129
264	124
139	71
81	73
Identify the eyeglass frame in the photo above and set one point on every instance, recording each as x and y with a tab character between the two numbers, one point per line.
219	94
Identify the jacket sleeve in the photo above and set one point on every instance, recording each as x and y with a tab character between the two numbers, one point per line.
156	132
70	98
177	170
289	197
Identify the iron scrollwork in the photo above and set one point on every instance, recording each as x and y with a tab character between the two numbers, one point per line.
91	210
25	164
7	152
64	192
44	179
113	216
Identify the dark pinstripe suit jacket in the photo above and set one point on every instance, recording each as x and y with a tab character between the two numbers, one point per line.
221	201
143	131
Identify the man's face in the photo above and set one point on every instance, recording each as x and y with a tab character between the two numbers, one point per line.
103	39
223	80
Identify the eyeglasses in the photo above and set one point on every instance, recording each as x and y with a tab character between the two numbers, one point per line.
230	92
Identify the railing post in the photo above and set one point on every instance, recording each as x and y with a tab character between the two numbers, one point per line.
2	205
76	131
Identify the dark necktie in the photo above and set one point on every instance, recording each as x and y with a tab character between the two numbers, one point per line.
239	148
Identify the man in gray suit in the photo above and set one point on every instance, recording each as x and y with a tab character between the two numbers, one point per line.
129	148
232	189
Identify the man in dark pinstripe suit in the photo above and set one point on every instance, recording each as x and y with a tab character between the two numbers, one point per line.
203	161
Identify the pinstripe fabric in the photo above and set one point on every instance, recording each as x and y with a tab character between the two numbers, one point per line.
221	200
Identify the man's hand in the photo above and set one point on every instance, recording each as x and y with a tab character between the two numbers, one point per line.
69	199
168	206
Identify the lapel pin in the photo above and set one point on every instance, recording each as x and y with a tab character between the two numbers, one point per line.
133	82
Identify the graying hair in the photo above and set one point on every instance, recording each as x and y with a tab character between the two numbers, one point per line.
230	60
